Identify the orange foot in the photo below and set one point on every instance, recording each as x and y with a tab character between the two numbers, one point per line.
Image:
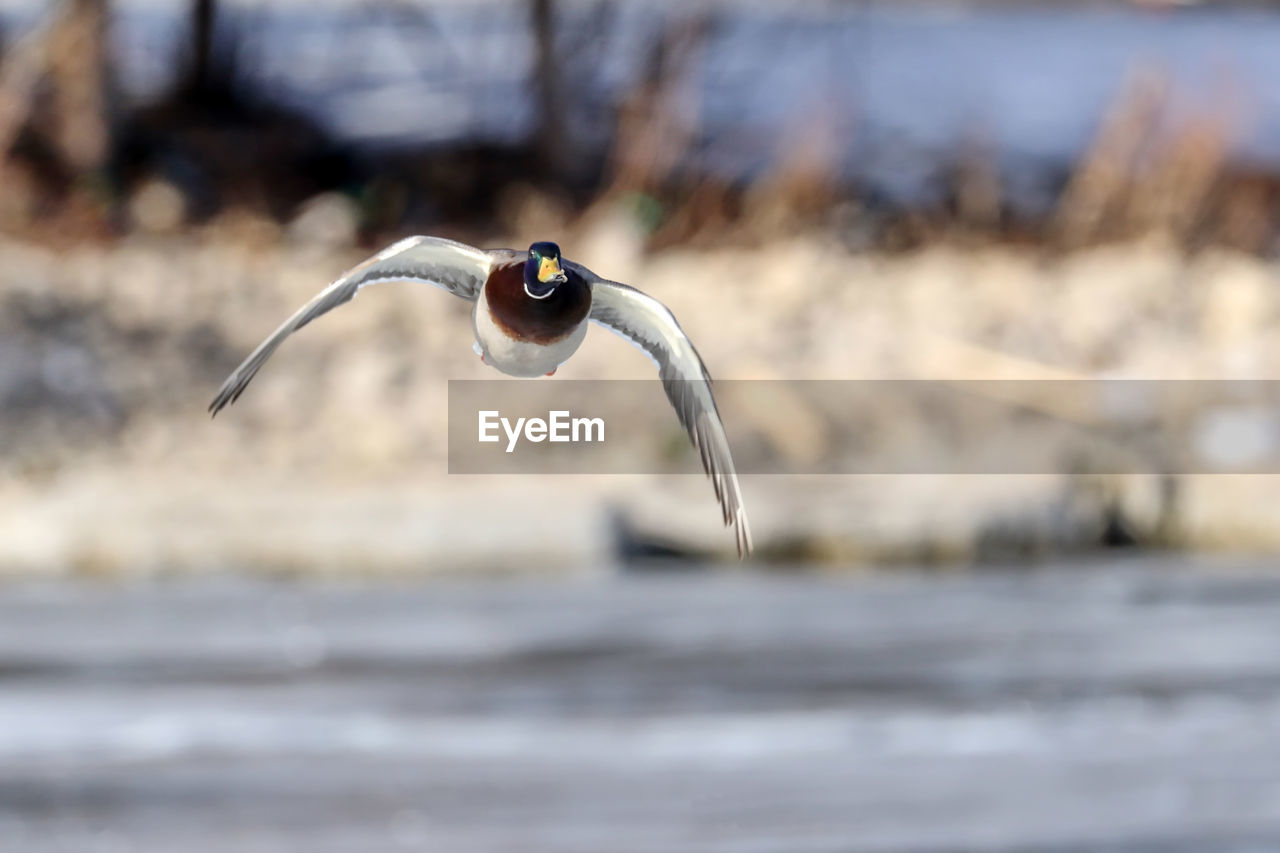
482	361
553	371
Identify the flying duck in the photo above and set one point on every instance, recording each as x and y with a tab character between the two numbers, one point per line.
530	315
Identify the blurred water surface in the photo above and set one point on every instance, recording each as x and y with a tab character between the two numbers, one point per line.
1129	706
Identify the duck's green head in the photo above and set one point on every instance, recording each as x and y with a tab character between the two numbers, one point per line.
542	271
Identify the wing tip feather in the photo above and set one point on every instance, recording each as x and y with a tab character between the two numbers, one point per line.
742	532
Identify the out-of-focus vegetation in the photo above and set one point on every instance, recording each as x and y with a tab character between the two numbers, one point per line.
82	160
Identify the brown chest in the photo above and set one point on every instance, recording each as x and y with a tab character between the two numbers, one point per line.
539	321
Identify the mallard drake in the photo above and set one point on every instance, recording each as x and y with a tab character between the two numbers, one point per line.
530	315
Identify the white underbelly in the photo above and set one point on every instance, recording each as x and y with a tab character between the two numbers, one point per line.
521	358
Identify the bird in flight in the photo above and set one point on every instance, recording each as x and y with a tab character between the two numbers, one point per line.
530	313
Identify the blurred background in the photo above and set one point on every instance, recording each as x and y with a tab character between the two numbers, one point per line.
291	628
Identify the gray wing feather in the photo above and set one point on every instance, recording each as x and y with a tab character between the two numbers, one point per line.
648	323
455	267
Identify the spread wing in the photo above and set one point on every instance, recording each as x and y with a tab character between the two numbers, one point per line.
649	324
455	267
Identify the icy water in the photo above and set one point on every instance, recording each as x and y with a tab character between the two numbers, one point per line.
897	88
1123	707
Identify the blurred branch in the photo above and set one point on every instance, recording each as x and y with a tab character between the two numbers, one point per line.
203	21
652	136
20	71
79	58
1172	197
551	138
978	196
1096	189
57	115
